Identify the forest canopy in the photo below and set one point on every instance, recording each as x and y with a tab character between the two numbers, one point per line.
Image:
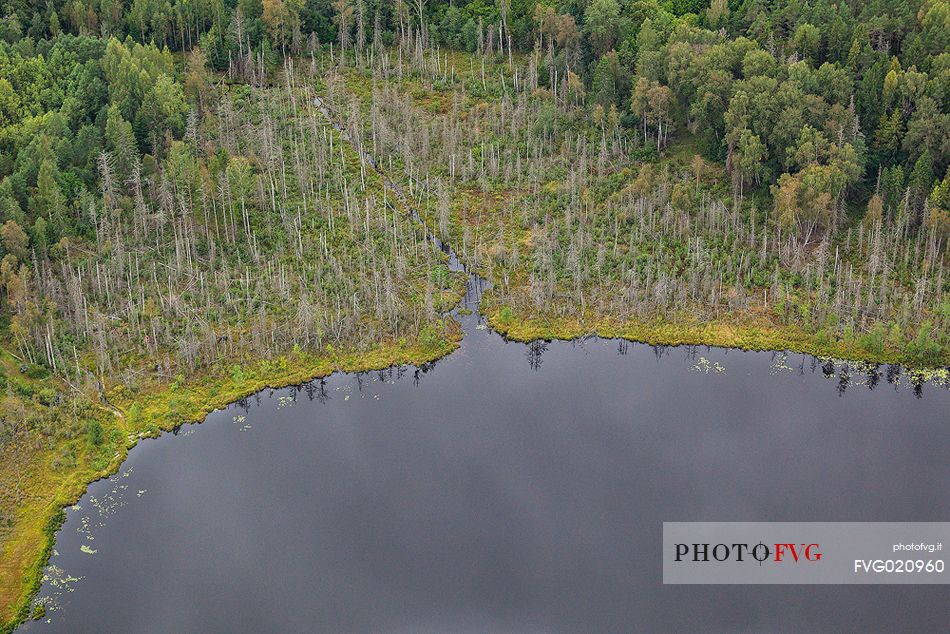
818	100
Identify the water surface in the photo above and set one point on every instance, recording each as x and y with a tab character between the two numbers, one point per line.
506	488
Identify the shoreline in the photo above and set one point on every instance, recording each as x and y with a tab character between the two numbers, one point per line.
165	405
746	337
155	420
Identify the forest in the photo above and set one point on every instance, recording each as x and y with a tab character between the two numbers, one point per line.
180	225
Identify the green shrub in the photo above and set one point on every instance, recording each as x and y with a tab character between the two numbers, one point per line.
430	338
874	340
441	278
38	372
94	432
135	414
923	348
47	396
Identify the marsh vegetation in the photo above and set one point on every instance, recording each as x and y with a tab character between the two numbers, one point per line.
181	225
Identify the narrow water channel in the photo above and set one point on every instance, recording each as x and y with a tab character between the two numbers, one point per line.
507	487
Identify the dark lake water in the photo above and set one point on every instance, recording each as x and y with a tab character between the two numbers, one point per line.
507	488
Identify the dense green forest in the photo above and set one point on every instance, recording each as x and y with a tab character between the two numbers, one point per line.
179	224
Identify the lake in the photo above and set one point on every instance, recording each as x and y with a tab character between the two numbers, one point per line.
507	487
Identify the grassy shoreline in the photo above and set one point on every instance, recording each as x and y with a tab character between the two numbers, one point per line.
751	336
160	408
163	407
